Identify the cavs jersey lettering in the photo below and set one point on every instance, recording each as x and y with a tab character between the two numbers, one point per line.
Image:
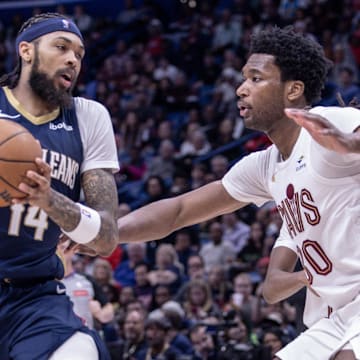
298	208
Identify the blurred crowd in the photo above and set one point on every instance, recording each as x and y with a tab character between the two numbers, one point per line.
169	84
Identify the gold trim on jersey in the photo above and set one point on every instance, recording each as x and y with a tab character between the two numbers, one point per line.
36	120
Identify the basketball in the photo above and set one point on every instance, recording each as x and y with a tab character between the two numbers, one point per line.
18	150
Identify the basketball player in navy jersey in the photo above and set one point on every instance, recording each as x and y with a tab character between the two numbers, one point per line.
312	172
36	317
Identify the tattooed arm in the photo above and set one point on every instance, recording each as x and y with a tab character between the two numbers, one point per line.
100	194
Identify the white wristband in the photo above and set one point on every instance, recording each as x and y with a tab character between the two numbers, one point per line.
88	227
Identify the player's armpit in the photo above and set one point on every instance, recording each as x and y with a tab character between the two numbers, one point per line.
101	195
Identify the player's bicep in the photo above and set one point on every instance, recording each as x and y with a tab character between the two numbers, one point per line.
100	190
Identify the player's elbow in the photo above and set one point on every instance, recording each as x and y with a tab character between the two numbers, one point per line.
268	293
104	246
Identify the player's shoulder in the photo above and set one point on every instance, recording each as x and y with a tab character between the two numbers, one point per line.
88	105
345	118
265	156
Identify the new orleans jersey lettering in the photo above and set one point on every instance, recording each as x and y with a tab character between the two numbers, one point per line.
64	168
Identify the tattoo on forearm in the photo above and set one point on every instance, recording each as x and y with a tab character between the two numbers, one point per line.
100	194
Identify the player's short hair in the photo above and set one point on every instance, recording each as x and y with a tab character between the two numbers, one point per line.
297	56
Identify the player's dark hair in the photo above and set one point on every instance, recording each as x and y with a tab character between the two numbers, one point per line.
298	58
11	79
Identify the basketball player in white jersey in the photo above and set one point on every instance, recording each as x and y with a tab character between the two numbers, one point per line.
312	171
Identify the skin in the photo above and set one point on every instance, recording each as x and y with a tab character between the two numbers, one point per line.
62	52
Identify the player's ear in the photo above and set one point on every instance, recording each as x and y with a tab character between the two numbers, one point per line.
294	90
26	51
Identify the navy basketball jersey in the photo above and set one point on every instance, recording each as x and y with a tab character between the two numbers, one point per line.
28	237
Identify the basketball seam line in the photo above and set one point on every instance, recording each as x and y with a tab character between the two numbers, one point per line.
17	161
12	186
13	135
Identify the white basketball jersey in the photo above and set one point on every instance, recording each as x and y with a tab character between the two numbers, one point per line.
317	193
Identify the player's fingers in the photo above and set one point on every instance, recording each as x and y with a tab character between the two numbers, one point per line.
39	179
43	167
85	250
25	188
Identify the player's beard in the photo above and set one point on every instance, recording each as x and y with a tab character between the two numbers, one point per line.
44	87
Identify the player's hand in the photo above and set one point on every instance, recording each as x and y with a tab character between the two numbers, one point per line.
323	131
38	194
305	279
67	245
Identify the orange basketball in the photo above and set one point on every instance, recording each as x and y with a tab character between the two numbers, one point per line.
18	150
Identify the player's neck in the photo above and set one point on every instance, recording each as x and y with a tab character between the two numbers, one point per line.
286	140
30	101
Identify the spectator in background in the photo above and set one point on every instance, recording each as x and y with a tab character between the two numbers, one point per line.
237	342
176	316
125	272
183	246
198	303
162	294
165	70
216	251
103	275
155	44
243	298
155	189
134	344
157	328
133	165
342	58
196	144
220	288
195	271
227	33
253	251
203	343
130	131
274	339
198	173
82	294
348	88
82	19
143	288
163	164
168	270
219	165
236	232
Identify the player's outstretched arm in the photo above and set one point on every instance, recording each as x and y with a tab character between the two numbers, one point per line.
100	195
325	133
281	281
160	218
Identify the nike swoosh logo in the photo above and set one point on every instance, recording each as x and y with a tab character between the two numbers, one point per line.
60	290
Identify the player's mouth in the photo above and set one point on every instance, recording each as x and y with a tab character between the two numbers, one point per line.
66	79
244	109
